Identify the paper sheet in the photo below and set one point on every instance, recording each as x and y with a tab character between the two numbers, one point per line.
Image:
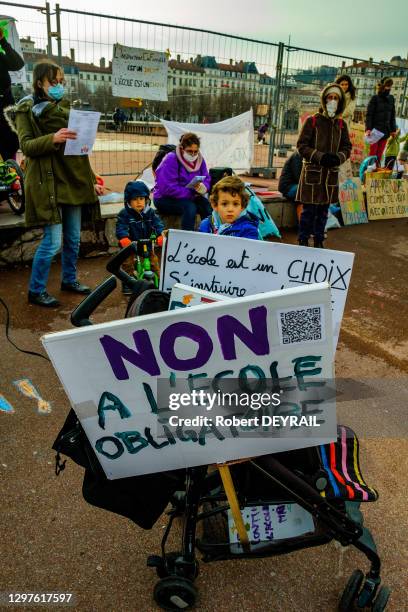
374	137
85	124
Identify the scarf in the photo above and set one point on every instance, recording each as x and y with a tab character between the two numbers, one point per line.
219	227
190	167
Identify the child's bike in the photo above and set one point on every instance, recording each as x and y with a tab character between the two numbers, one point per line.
143	267
12	185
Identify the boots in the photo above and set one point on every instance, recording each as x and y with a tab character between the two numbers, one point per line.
318	244
303	242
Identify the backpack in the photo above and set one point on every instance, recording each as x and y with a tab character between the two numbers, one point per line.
161	153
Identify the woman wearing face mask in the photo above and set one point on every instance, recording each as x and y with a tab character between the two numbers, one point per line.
178	168
324	144
381	116
349	91
56	185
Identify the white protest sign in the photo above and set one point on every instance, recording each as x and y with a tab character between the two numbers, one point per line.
85	124
110	371
237	266
227	143
139	73
16	76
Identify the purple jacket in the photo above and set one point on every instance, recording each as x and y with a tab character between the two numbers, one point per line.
172	178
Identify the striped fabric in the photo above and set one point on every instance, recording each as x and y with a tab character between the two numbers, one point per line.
341	461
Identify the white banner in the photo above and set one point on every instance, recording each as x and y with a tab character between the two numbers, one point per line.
228	143
16	76
139	73
237	266
111	373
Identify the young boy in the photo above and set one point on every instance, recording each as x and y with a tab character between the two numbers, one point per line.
136	221
230	217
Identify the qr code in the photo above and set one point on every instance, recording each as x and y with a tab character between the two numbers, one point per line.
301	325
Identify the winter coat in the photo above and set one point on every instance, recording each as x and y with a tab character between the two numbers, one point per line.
172	178
9	60
349	109
321	134
52	179
381	114
290	173
244	227
137	226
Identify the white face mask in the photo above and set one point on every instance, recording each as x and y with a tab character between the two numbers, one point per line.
331	106
190	158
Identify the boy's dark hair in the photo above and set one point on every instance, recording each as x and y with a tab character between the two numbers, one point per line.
351	89
232	185
189	139
44	70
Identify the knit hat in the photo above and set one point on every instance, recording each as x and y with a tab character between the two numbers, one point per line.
136	189
333	89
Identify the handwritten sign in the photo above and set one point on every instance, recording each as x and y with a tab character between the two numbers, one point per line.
267	523
139	73
352	202
386	198
235	267
111	373
356	134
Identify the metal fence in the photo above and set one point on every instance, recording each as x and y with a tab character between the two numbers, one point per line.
212	76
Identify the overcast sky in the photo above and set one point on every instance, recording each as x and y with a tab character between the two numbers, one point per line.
357	28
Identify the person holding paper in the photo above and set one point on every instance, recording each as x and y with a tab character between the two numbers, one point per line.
57	186
178	190
381	116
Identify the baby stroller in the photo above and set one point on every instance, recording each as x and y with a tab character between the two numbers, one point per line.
12	185
325	482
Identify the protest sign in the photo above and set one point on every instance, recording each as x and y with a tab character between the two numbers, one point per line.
236	267
356	134
352	202
386	198
110	372
139	73
228	143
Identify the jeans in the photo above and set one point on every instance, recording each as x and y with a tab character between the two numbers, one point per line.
187	208
70	232
313	221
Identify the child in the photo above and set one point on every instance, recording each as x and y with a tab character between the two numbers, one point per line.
136	221
230	218
392	149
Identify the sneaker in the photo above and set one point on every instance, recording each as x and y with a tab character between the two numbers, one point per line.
75	287
42	299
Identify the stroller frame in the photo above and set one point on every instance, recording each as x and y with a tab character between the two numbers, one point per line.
337	519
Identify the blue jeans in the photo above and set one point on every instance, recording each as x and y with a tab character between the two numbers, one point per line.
313	221
187	208
69	234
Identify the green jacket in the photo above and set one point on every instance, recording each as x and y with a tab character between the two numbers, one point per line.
393	145
51	178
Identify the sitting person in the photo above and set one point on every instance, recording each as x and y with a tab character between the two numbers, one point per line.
178	168
137	221
230	217
289	179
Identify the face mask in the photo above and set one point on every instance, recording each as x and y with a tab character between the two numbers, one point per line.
190	158
331	106
56	92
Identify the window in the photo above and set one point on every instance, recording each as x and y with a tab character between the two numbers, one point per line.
110	78
103	77
88	76
95	77
81	76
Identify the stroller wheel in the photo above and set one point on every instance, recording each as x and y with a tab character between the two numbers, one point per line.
351	591
175	594
380	602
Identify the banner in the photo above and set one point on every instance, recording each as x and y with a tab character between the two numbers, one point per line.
386	198
356	134
111	373
236	267
139	73
16	76
228	143
352	202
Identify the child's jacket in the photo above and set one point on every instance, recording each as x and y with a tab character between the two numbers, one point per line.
137	226
246	226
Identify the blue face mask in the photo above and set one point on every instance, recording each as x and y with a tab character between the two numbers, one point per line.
56	92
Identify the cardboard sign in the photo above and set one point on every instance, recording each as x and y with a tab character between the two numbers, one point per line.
139	73
352	202
110	372
386	198
235	267
356	134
